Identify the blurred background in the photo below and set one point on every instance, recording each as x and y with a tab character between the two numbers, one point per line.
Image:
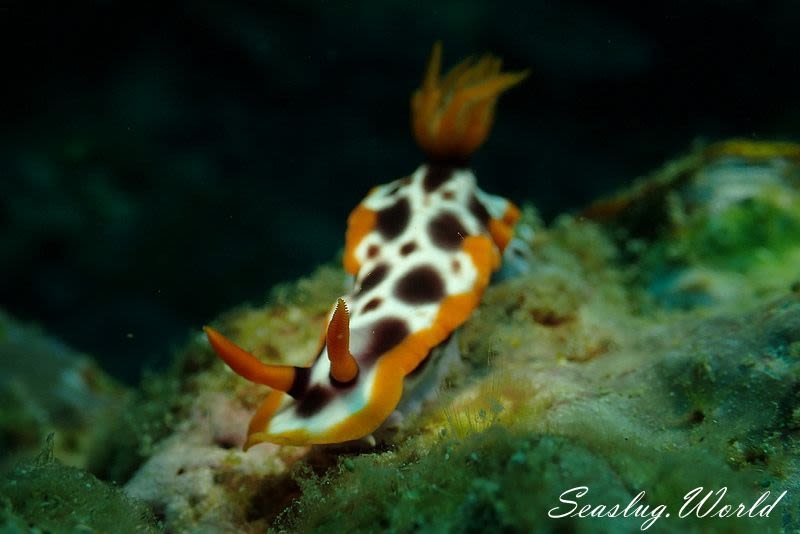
160	166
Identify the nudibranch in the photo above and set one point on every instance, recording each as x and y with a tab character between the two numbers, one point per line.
421	249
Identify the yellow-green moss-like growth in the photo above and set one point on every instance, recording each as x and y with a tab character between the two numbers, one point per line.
45	495
720	225
499	480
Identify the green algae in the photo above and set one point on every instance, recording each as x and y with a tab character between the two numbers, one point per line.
739	237
44	495
502	480
491	480
719	226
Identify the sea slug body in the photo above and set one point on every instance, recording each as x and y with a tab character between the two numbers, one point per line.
422	249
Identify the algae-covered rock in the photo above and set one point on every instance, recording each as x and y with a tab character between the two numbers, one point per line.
45	386
651	344
44	495
719	226
505	480
199	479
490	480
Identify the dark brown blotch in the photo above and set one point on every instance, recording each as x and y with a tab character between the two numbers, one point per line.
372	251
480	212
448	195
300	384
408	248
421	285
386	335
394	219
446	231
437	175
456	266
313	401
374	278
371	305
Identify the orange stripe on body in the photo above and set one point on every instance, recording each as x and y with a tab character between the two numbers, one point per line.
512	214
262	417
360	223
502	230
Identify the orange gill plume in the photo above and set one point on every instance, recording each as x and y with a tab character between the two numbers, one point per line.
344	367
452	116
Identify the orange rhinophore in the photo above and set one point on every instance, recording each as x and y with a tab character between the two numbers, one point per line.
422	250
344	367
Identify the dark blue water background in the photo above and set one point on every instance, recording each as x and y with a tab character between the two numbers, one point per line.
159	165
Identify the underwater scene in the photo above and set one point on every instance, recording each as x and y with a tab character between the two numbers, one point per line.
323	266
